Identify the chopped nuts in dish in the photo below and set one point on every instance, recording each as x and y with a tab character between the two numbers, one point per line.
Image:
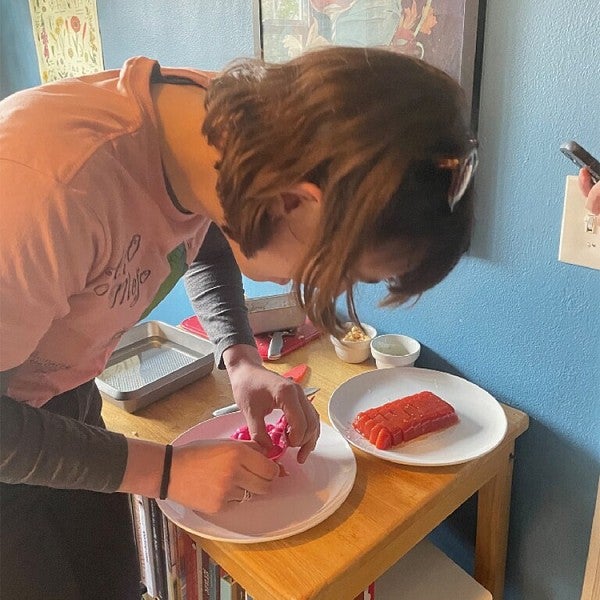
356	334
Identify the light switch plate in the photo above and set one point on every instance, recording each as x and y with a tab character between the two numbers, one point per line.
580	231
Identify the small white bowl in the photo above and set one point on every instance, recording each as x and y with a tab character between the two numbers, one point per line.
354	351
394	350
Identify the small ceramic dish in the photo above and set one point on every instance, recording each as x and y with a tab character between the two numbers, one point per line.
354	350
394	350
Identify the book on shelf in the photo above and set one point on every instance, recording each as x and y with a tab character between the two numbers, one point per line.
211	575
193	580
143	535
368	594
158	556
230	589
187	571
136	521
215	579
172	565
171	559
203	574
163	551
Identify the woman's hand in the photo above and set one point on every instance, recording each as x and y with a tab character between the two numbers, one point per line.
257	391
590	190
208	475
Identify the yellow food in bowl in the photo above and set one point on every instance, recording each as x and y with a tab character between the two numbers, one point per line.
356	334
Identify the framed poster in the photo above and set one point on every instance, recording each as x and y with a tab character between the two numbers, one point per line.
67	38
445	33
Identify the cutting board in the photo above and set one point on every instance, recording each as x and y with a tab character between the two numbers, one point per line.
302	335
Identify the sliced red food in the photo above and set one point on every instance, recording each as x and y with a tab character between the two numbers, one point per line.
384	439
297	373
404	419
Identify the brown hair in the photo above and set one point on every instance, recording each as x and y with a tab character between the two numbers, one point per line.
367	126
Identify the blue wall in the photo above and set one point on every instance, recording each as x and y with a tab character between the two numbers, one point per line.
510	318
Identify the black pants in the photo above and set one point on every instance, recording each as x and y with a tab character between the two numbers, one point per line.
67	544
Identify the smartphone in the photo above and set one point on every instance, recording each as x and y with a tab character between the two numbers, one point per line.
582	158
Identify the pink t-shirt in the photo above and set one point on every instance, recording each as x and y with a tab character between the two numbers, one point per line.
90	240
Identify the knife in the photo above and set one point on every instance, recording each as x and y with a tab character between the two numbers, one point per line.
276	344
308	391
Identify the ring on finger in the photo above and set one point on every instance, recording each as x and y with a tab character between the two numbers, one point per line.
247	496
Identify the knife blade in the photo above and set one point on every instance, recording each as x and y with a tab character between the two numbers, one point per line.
276	344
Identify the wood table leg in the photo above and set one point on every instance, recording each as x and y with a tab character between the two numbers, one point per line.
591	580
493	508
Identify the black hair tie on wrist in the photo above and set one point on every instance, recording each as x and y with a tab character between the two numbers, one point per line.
166	474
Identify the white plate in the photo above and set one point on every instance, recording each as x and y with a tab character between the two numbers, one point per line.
307	496
481	426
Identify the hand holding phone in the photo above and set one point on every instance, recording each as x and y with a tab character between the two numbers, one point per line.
582	158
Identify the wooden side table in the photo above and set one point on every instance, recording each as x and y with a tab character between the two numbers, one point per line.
389	510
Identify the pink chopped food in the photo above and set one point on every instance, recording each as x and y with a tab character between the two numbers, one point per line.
277	432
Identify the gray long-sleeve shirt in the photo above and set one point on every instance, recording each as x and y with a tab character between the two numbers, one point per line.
214	286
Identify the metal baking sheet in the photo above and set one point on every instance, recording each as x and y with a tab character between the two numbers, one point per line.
152	360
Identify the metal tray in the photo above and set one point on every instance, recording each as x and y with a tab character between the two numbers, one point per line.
152	360
274	313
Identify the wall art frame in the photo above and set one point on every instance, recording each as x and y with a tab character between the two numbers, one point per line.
446	33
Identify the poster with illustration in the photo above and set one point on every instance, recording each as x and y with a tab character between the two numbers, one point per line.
67	38
441	32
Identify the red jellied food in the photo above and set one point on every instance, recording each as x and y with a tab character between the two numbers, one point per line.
404	419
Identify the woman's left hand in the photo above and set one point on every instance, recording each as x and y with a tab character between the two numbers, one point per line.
257	391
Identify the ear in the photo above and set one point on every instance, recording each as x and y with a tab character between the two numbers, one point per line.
301	193
300	208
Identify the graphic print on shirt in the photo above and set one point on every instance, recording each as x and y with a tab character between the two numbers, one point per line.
178	264
125	280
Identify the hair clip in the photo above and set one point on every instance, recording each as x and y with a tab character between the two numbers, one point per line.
462	173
